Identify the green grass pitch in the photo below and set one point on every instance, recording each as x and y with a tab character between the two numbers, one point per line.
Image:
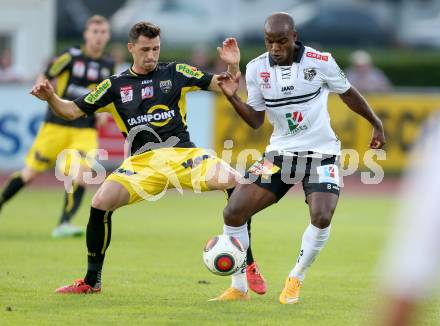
154	274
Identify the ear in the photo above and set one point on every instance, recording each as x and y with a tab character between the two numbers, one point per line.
295	35
130	47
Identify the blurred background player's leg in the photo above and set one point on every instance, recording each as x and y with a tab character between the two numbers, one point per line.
16	182
83	141
72	201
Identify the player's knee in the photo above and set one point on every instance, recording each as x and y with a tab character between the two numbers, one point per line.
102	202
28	175
233	216
79	180
230	180
321	217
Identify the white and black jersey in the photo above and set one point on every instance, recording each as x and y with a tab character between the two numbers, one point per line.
295	98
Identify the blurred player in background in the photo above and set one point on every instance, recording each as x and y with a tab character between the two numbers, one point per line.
149	106
365	76
291	82
411	265
73	73
119	52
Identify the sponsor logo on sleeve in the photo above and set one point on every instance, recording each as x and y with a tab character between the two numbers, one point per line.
98	92
189	71
126	93
59	64
317	56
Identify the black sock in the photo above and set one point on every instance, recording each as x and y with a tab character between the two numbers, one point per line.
71	202
15	183
99	230
249	256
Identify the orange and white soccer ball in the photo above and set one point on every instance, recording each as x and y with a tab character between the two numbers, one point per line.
224	255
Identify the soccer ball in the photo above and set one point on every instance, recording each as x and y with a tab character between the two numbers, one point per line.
224	255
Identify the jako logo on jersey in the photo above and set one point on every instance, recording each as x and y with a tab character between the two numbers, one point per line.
189	71
157	115
126	93
317	56
98	92
147	92
294	120
287	88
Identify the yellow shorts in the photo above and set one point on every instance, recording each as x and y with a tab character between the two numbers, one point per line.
149	175
52	139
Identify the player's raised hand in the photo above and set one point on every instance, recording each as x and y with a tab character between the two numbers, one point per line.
229	53
378	138
43	90
228	83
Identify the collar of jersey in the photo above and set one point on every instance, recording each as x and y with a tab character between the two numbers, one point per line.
140	75
298	56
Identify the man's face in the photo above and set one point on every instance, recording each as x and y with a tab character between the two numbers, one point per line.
97	35
145	52
280	46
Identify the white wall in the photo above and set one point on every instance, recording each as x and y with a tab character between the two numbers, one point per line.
31	23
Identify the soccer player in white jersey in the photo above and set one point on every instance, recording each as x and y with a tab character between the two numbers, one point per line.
411	263
291	82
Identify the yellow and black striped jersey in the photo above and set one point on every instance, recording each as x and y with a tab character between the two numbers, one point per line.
149	108
76	75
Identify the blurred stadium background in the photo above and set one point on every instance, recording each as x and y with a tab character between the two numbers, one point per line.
400	37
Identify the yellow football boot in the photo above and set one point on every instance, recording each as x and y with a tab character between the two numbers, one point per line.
290	294
232	294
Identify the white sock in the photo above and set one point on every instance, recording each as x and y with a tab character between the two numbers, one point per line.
239	280
313	240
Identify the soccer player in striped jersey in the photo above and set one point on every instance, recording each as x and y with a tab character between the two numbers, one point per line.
291	83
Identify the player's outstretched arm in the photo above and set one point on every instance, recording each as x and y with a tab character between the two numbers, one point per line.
354	100
229	84
63	108
229	53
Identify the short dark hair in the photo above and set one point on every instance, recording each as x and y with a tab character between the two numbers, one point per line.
146	29
96	19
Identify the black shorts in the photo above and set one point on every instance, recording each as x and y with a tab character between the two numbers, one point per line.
278	173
